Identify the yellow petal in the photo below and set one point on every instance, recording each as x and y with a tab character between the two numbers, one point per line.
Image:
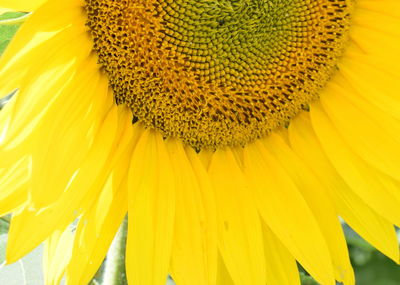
387	23
319	203
105	215
381	88
281	267
223	276
360	177
194	251
151	208
359	131
14	186
60	136
365	221
239	229
22	5
79	195
57	255
31	38
380	45
95	232
285	211
21	118
34	98
388	7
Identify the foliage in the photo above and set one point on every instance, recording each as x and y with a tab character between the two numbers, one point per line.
8	31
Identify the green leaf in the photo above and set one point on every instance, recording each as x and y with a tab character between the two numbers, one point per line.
11	15
3	244
4	225
7	31
170	281
306	279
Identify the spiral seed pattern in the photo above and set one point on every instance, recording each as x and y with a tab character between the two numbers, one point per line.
218	73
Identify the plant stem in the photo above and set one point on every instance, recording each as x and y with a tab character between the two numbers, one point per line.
114	271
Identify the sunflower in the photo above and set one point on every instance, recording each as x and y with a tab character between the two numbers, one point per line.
233	134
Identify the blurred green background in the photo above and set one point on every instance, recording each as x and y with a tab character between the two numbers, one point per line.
371	267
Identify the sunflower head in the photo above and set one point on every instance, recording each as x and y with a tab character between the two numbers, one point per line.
217	73
216	192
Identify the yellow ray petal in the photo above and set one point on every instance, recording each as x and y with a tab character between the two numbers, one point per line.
63	136
57	255
286	212
151	211
372	227
56	44
64	162
38	93
194	251
210	210
79	195
359	176
22	5
281	267
67	160
23	118
14	186
388	7
95	232
359	131
387	23
205	157
15	132
39	27
104	217
239	229
223	276
381	88
320	204
378	112
380	45
16	64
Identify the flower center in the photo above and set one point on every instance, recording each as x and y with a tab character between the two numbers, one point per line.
217	72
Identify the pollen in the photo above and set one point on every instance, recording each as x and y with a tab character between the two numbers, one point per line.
217	73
